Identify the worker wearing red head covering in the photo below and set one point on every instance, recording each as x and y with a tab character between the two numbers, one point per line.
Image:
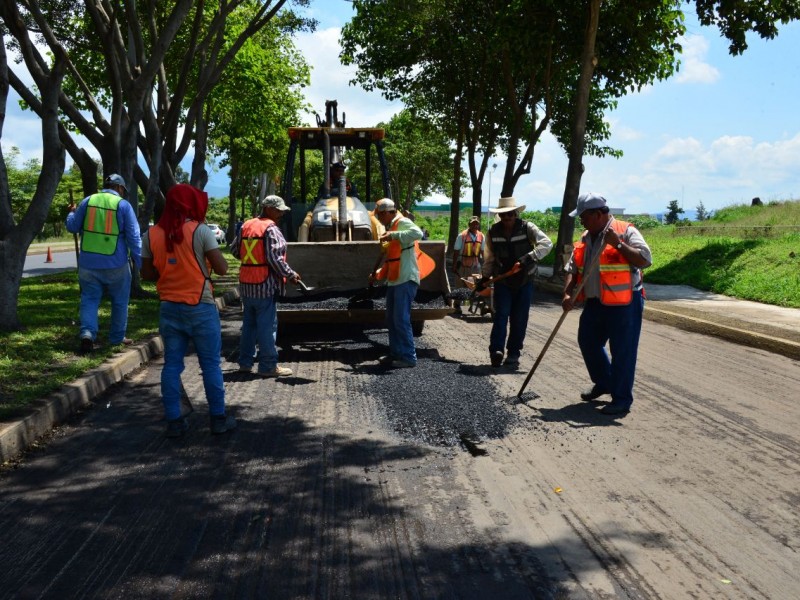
183	202
179	254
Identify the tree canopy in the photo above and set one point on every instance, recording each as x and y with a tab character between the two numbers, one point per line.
133	79
497	76
419	158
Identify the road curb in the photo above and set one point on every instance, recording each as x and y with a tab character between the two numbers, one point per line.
45	414
49	412
665	316
751	339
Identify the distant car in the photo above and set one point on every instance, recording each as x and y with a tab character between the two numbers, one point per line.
218	233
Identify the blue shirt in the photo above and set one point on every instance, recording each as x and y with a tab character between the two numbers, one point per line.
128	242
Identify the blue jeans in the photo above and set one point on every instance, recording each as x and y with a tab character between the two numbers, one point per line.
398	320
178	324
259	324
116	283
511	310
620	326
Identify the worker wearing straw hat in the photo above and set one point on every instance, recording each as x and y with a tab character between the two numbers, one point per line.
512	244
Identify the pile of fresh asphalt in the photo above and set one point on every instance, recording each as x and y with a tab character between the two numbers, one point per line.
439	402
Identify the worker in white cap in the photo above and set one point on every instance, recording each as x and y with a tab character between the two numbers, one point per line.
401	272
608	259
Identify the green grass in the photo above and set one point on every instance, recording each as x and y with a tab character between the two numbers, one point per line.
41	357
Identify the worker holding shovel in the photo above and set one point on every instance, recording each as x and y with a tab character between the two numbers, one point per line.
611	287
261	247
402	274
513	249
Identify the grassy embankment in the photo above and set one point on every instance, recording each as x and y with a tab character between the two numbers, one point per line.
744	260
747	252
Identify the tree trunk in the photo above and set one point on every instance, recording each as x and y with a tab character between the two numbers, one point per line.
456	197
15	238
199	177
232	199
566	225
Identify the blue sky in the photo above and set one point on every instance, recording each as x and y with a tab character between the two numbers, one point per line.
723	131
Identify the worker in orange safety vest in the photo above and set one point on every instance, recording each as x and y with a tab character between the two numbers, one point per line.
613	297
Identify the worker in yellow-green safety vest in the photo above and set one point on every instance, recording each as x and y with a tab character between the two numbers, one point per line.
110	238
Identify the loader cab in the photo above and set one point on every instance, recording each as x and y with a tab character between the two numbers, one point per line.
325	211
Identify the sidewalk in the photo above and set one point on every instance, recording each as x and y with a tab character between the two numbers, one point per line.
772	328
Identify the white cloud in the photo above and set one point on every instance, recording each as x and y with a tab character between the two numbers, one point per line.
694	68
330	81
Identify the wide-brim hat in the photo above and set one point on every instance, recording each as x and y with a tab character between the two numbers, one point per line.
505	205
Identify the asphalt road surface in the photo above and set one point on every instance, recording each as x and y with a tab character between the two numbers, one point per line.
348	481
36	263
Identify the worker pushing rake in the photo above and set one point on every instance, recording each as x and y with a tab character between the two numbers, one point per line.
613	295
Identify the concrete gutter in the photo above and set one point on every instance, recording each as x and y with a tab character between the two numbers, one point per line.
744	337
766	327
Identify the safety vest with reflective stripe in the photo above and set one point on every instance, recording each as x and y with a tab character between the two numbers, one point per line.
391	267
470	249
100	226
181	278
253	251
616	281
508	251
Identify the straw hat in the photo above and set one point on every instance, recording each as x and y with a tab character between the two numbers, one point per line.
506	205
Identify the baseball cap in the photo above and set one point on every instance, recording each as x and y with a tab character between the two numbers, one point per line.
115	179
474	219
273	201
385	205
588	201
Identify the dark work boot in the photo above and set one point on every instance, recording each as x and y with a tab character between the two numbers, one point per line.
222	423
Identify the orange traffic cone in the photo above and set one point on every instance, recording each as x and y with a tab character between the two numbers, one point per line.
49	256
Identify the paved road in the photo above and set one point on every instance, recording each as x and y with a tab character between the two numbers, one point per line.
348	481
36	263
